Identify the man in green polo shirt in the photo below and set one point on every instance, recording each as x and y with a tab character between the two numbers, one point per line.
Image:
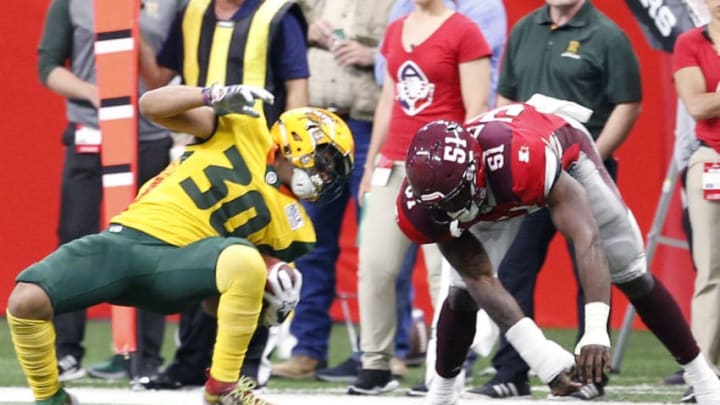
568	50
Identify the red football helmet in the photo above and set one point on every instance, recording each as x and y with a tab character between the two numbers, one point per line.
445	169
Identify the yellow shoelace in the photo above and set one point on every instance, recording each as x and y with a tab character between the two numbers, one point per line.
244	392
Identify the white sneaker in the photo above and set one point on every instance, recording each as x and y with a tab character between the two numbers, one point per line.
445	391
69	369
707	391
703	381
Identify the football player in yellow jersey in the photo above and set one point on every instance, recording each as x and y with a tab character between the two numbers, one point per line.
196	232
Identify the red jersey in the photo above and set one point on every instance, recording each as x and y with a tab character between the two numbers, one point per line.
694	48
524	152
427	78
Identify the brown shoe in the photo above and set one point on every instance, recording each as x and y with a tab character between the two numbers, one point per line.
398	369
297	368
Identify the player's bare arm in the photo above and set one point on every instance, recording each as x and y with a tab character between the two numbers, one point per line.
572	215
179	108
193	110
467	255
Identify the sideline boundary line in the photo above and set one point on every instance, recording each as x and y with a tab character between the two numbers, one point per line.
123	396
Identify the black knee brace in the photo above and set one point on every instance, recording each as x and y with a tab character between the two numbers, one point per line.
638	287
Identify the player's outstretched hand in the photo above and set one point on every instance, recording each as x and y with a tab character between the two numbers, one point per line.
592	361
563	385
238	98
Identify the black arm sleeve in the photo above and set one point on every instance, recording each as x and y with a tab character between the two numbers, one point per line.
56	42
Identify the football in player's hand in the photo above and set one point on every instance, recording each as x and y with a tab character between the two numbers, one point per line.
271	263
282	291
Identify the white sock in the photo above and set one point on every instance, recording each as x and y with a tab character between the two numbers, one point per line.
445	391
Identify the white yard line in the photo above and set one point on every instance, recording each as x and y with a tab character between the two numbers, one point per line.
119	396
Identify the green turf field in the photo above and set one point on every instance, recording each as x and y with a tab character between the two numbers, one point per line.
644	364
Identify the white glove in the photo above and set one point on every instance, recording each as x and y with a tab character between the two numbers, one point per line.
281	295
237	98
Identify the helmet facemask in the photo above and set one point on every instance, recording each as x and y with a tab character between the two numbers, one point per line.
462	203
325	180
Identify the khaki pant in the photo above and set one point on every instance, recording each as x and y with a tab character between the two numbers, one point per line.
382	250
705	221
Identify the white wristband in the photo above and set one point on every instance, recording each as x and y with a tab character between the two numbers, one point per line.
596	317
545	357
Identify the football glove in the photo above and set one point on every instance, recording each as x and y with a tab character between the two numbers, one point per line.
238	98
282	293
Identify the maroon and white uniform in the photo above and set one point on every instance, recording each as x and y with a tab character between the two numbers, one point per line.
524	152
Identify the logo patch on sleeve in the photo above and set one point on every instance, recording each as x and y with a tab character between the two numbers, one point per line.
292	212
524	154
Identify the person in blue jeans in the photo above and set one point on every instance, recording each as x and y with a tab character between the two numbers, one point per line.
311	323
342	35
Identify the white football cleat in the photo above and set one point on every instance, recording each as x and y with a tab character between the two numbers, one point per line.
707	391
704	382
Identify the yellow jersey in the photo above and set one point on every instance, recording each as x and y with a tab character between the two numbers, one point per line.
223	187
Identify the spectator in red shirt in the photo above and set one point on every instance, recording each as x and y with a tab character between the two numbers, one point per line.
438	67
696	70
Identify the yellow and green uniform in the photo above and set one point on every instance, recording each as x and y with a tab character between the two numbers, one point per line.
161	252
193	232
223	187
203	243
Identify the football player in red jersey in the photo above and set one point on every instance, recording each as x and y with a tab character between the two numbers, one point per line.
467	189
